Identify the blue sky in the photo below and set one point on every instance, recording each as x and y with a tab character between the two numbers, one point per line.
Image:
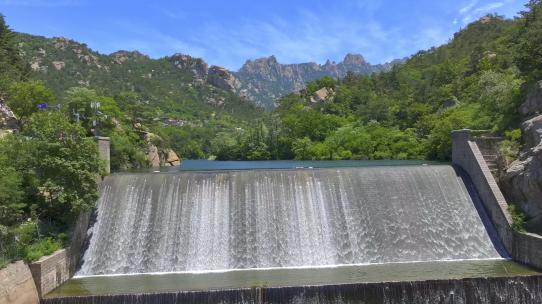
227	33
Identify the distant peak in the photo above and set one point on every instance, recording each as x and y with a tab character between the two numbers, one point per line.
271	59
354	59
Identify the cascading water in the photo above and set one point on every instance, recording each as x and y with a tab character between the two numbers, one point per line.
198	221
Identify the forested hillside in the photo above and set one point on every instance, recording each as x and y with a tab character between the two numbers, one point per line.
477	80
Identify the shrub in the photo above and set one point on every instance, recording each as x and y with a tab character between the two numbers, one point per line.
518	217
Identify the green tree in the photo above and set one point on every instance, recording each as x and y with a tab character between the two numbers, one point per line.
25	96
528	42
11	193
13	67
65	163
81	101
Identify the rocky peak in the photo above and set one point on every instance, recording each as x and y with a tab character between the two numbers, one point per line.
354	59
223	79
120	57
259	64
196	65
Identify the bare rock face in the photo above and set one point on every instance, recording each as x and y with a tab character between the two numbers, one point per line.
153	156
58	65
197	66
61	43
533	105
265	79
223	79
8	121
522	181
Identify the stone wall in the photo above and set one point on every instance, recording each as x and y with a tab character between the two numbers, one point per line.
523	247
51	271
17	286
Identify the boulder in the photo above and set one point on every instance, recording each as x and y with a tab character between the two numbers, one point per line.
8	120
533	104
172	158
322	95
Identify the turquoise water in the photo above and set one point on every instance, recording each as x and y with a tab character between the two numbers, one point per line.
209	165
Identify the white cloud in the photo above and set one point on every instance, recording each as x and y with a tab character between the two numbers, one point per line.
488	7
310	36
466	9
471	11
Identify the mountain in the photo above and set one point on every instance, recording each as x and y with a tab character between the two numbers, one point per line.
63	63
265	80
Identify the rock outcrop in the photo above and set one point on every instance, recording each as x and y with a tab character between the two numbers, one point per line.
171	158
157	157
533	105
197	66
223	79
522	182
322	95
8	121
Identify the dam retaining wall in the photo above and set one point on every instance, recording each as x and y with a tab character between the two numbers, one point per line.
523	247
517	290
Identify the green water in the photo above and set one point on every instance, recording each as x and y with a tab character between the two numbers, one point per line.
171	282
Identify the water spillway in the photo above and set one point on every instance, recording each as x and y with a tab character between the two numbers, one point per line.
203	221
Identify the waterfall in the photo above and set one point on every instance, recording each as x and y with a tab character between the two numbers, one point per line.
202	221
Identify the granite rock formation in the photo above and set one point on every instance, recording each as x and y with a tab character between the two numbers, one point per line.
522	181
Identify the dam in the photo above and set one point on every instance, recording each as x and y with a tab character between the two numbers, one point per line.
408	233
200	221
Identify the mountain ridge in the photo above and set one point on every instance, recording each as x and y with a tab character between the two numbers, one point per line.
265	79
262	80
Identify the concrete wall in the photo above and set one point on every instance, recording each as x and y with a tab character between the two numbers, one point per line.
17	285
104	144
523	247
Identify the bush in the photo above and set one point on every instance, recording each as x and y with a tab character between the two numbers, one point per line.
518	218
41	248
